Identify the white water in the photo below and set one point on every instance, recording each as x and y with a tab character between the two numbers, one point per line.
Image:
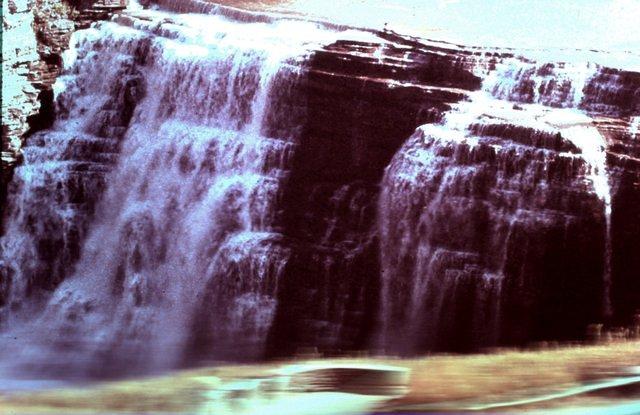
547	100
593	146
182	248
572	123
634	127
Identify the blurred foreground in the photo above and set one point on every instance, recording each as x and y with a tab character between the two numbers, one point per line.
600	379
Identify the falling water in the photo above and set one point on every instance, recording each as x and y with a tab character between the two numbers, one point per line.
181	259
562	85
593	148
150	228
450	221
634	127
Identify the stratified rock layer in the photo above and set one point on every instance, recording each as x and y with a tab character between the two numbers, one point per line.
362	101
35	35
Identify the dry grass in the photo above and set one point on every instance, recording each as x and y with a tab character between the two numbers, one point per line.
459	381
507	374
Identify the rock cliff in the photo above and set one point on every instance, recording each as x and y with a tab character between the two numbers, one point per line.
35	35
477	239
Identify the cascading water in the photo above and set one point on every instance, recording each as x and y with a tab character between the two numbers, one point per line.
463	205
54	192
181	260
214	187
634	126
563	85
552	84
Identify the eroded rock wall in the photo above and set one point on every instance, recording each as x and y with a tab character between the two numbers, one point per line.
35	35
362	101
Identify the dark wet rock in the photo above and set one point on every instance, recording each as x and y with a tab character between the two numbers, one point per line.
363	101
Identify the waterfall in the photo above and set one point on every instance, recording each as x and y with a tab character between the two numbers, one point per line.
558	85
593	145
172	142
465	205
634	126
563	85
229	184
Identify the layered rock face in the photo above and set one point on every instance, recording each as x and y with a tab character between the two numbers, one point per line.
486	237
362	101
623	160
500	221
221	198
35	35
19	97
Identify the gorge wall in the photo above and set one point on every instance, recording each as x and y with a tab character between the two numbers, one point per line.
211	197
35	35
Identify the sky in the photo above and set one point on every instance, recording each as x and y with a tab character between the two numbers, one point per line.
588	24
584	24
